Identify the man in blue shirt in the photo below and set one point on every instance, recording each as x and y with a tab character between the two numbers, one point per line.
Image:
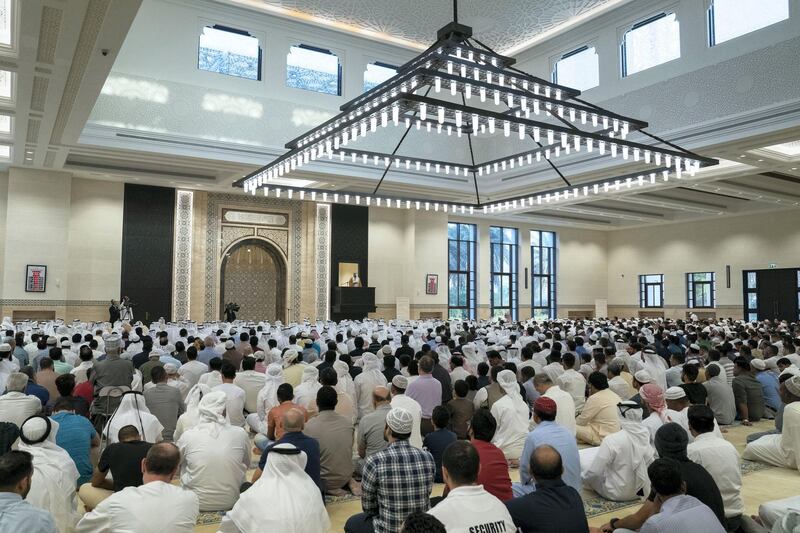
19	349
16	471
207	353
33	388
76	435
552	434
293	422
769	384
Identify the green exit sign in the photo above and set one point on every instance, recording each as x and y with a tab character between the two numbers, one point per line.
773	265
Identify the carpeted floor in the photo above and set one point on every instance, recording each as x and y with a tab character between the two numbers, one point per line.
760	483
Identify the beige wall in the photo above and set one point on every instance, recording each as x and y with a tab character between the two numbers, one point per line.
406	245
74	226
745	242
71	225
3	212
95	240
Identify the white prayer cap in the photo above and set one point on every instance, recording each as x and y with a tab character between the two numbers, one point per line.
793	385
695	347
171	368
737	341
289	356
649	350
229	345
66	343
758	364
156	352
113	341
259	355
643	377
592	337
400	420
51	341
674	393
386	350
400	381
5	347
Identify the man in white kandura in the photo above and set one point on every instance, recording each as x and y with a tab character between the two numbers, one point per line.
154	507
283	499
55	475
216	456
617	469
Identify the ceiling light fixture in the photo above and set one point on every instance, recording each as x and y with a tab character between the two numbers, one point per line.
553	117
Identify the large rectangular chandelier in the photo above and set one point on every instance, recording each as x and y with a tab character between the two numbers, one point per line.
462	89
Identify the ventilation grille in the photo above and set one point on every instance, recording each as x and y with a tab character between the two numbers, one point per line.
48	35
39	93
33	131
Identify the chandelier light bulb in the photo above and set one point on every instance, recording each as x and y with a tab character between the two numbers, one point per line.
423	111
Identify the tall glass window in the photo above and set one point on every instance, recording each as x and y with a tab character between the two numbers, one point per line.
751	295
579	69
651	290
651	42
229	51
461	251
543	275
504	264
313	69
700	289
728	19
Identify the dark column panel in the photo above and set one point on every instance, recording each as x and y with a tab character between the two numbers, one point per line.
349	241
147	236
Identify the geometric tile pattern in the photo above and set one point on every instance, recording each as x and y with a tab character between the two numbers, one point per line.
279	237
323	256
501	24
182	260
215	247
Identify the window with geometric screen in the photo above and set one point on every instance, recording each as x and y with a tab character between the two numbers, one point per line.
229	51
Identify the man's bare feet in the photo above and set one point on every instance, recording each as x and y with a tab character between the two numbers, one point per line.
355	487
336	492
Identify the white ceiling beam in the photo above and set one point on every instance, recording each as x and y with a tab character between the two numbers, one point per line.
749	193
610	213
678	205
